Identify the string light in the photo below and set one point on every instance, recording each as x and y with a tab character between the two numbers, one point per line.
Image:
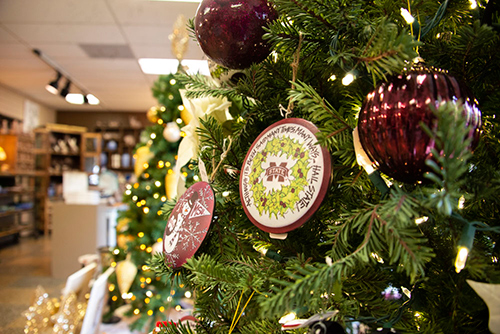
167	164
333	77
421	220
187	294
163	108
169	299
148	187
147	300
148	280
348	79
170	171
473	4
162	309
146	165
159	212
149	249
163	198
150	312
158	183
135	198
128	192
407	16
160	121
128	186
178	120
464	246
140	234
181	107
137	311
136	185
111	287
183	134
172	82
159	240
153	136
156	195
178	308
116	251
145	210
146	268
146	175
114	298
113	264
161	164
142	247
196	178
149	294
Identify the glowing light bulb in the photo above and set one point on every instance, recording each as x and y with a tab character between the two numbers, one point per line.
158	183
348	79
473	4
153	136
407	16
462	255
178	120
140	234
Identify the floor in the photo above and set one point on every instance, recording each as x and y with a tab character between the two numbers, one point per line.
24	266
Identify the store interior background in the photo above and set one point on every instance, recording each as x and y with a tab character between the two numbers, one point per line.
96	45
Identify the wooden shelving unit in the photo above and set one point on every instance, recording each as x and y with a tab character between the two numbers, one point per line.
17	186
59	148
118	144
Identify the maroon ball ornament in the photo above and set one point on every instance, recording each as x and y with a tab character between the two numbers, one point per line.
230	31
389	121
188	224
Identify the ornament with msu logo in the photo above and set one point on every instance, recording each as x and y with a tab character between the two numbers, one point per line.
188	224
285	176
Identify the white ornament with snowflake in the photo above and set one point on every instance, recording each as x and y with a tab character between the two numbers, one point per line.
188	224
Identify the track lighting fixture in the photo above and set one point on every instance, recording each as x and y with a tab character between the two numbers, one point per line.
52	87
65	90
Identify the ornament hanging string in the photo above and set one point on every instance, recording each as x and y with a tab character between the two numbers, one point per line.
235	320
295	67
222	157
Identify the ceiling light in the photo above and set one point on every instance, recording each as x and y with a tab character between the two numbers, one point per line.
52	87
92	100
75	98
170	66
65	90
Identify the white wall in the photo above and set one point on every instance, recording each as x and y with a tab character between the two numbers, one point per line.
12	105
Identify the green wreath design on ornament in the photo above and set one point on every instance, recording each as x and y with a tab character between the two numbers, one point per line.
278	202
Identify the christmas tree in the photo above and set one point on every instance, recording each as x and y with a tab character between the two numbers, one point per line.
397	249
140	227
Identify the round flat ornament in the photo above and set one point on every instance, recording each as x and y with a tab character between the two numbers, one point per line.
188	224
285	176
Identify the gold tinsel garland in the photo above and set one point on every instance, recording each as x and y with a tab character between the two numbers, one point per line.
50	315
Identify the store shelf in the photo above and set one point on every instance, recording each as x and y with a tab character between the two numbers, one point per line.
13	212
10	232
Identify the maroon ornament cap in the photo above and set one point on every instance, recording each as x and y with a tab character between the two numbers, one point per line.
285	176
188	224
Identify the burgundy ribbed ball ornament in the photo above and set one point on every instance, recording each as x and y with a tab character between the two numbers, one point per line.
389	121
230	31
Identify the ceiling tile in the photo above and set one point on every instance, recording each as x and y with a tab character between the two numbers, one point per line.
55	11
153	13
66	33
165	51
6	36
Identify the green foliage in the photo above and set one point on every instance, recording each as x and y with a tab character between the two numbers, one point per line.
141	225
357	243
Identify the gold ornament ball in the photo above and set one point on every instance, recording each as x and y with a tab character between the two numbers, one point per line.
152	115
